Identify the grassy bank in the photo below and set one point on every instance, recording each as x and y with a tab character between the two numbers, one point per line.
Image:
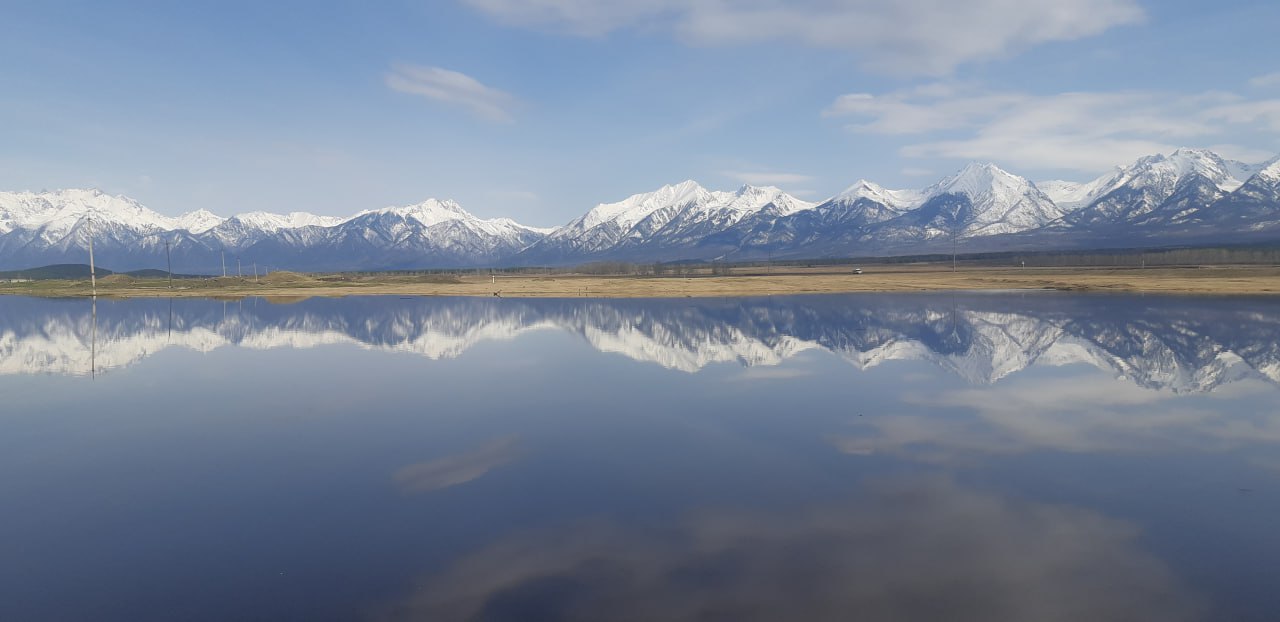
1186	280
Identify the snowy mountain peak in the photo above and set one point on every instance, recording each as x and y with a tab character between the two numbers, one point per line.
57	212
977	180
750	190
1161	171
199	221
271	223
1270	170
1002	202
751	199
429	212
631	210
896	199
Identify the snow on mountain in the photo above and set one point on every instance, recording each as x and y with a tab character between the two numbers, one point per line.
1268	171
433	212
1070	194
1165	171
54	227
56	213
978	200
271	223
751	199
198	221
691	223
669	216
626	213
429	212
1130	192
900	200
1191	194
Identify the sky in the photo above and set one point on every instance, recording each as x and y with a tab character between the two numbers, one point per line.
539	109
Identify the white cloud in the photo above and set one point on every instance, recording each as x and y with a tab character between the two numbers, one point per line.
1270	79
767	178
1084	131
893	36
1243	154
452	87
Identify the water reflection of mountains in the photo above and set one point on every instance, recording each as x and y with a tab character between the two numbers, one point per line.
1183	344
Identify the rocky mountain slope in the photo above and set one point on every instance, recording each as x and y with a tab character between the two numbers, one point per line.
1191	196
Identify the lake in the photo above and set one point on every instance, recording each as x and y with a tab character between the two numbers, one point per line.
972	456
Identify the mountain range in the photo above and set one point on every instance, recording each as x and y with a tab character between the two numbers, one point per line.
1159	343
1191	196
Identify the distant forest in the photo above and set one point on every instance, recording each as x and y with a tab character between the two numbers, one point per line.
1205	256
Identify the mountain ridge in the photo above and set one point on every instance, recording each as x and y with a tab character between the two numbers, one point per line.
1187	196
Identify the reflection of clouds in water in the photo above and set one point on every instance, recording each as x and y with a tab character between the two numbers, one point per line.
457	469
919	550
1083	415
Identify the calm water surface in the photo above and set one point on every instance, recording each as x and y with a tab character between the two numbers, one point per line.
878	457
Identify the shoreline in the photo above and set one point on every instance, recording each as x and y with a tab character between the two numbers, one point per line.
1212	280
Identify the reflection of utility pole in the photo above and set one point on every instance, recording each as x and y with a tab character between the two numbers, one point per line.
93	343
168	260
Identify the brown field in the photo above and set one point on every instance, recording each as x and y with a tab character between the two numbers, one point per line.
753	282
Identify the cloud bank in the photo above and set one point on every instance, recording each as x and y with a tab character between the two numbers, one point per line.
1080	131
889	36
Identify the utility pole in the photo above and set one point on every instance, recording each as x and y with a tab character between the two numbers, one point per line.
955	222
93	278
168	260
255	272
239	274
224	264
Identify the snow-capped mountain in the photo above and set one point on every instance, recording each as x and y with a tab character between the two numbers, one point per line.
982	339
895	200
54	227
431	233
198	221
1190	196
979	200
671	218
1130	192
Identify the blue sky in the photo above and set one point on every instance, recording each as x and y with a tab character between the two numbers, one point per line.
538	109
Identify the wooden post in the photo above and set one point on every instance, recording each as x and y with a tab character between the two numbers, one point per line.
93	277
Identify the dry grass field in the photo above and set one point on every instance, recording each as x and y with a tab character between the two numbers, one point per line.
754	282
